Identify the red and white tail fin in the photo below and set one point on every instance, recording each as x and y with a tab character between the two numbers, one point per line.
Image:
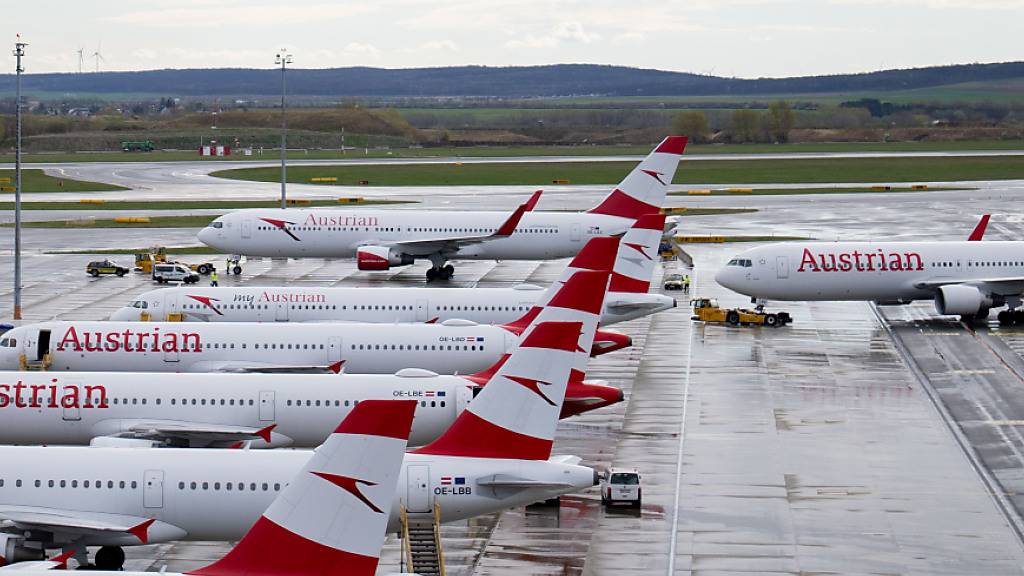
597	254
332	517
643	190
979	230
638	254
516	413
532	202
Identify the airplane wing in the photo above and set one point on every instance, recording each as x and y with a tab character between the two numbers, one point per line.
1000	285
266	367
506	481
195	434
453	243
131	529
623	306
56	563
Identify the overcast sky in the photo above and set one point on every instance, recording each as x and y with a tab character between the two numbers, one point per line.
747	38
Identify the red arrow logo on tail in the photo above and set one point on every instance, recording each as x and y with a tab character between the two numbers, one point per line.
532	385
283	226
349	485
639	248
656	175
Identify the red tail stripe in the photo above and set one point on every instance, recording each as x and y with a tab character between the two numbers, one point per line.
979	230
597	254
532	202
484	376
672	145
473	437
584	292
272	550
554	336
618	203
389	418
623	283
650	222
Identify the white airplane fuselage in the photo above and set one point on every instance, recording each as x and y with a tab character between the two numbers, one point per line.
339	232
350	304
224	347
76	407
195	494
886	272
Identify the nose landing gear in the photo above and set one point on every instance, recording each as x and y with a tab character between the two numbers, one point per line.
440	273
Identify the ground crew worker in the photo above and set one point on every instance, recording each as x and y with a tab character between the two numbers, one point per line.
686	284
213	277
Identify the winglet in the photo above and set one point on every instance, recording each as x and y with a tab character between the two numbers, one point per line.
336	366
61	560
484	376
264	433
532	202
141	531
509	226
433	320
979	230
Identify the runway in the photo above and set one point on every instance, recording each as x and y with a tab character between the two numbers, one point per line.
814	448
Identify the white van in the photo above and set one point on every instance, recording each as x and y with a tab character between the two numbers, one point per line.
164	273
621	486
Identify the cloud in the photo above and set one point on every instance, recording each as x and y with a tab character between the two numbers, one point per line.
439	45
360	50
571	32
237	14
941	4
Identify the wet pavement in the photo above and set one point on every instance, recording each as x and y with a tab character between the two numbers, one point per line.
814	448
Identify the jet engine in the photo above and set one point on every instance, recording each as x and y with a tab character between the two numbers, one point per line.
380	258
13	549
959	300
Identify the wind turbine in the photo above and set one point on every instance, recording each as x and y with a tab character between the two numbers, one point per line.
81	58
98	57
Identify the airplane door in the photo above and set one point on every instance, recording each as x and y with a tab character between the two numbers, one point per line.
574	232
418	481
422	310
171	355
153	489
782	267
463	396
246	229
266	405
282	312
42	345
334	349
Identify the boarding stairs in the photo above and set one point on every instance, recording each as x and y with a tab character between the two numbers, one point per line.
36	365
421	542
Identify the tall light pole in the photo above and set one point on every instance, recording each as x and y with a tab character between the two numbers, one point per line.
19	51
283	59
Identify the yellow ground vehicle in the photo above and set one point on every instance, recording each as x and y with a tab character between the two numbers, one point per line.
144	261
98	267
708	310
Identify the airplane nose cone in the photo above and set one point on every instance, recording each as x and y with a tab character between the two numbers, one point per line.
724	278
205	236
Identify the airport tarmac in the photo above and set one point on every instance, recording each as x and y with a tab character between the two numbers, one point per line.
848	442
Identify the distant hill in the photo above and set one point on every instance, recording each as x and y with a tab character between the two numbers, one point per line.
527	81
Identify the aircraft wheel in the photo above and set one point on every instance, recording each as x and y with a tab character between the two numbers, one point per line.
110	558
733	318
237	270
449	271
431	274
1018	316
1005	318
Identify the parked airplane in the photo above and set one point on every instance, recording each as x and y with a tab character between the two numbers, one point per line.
453	346
225	410
330	518
964	278
495	456
381	239
628	298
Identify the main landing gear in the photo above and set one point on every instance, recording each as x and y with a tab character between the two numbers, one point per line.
1011	317
107	558
440	272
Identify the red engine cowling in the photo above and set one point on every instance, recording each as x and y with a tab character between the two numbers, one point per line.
380	258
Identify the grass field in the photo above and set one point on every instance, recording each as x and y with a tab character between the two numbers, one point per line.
197	221
185	204
495	151
810	170
33	180
823	190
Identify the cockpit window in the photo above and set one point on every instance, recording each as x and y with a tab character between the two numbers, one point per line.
216	224
140	304
8	343
746	263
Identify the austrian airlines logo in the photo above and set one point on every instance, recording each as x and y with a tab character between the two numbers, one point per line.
532	385
656	175
350	486
283	226
639	248
208	302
